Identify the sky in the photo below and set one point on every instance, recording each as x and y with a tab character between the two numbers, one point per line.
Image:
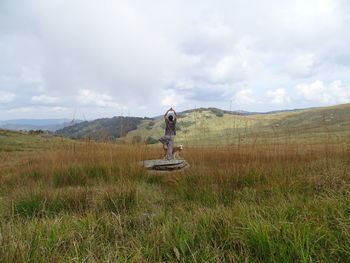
87	59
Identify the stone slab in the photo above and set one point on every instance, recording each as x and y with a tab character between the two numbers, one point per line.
161	162
165	165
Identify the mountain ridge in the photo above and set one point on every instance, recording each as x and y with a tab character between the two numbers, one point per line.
37	124
102	128
208	126
215	126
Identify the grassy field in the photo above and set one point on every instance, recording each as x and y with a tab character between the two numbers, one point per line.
65	201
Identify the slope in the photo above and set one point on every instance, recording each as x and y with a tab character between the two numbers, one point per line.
101	129
212	127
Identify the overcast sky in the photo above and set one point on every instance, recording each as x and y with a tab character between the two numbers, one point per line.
90	59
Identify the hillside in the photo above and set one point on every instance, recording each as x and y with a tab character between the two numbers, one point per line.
101	129
214	127
16	141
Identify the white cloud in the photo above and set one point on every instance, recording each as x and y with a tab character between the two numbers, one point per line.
222	70
91	98
6	97
36	109
58	108
215	29
184	85
45	99
21	110
235	66
31	75
171	98
133	52
278	96
319	92
302	66
244	96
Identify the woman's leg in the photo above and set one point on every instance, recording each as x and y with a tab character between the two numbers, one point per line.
169	154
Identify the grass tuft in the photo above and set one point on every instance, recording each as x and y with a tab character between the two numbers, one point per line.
120	199
74	176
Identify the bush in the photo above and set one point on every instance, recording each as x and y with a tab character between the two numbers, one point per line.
217	112
136	139
28	207
150	125
151	140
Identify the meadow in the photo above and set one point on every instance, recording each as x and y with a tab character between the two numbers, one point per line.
81	201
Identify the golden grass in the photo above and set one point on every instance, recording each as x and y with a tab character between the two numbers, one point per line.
92	202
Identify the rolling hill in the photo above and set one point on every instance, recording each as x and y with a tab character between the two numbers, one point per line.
215	127
101	129
212	126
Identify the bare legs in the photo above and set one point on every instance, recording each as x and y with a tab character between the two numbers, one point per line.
169	154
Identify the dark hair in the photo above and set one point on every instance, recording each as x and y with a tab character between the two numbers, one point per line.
170	117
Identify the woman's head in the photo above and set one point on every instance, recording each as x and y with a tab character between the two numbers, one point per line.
170	117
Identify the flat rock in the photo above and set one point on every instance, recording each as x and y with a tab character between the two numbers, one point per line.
165	165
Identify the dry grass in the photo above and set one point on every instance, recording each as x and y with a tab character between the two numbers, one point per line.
91	202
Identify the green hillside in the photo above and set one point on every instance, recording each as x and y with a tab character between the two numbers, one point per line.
16	145
215	127
101	129
21	141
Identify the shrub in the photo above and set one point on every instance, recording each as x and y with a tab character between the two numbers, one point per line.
97	172
28	207
150	125
151	140
136	139
217	112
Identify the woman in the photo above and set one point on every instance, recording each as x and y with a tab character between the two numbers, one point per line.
170	132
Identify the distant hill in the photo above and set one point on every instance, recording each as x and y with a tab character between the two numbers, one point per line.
37	124
211	126
236	112
102	128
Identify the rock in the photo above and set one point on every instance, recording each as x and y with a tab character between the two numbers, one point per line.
165	165
162	162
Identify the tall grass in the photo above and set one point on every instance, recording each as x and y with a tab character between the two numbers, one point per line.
92	202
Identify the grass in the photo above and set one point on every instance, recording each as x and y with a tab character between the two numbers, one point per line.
91	202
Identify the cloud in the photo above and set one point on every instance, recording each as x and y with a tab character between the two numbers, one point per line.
113	54
6	97
278	96
45	99
171	98
303	66
325	94
31	75
36	109
228	69
91	98
244	96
